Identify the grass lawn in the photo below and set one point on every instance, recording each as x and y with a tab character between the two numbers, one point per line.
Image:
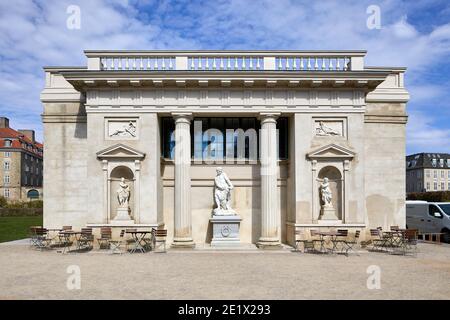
14	228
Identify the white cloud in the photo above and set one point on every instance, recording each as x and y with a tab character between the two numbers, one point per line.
423	136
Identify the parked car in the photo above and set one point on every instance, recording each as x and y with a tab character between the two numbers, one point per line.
429	217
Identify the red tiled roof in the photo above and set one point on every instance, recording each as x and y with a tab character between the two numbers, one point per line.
17	140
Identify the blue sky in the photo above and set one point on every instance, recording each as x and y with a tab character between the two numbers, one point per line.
415	34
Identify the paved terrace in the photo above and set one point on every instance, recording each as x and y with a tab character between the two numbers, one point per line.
206	274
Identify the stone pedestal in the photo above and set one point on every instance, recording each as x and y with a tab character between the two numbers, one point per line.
225	230
122	217
328	213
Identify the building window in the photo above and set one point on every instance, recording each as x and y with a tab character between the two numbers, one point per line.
428	173
6	179
428	186
442	186
6	193
448	174
210	138
8	143
435	174
419	174
26	179
26	156
442	174
448	186
434	162
33	194
419	186
8	155
435	186
6	166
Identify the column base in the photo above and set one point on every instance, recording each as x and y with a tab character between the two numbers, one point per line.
183	244
268	244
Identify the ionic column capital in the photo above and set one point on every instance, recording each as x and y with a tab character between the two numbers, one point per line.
182	117
269	117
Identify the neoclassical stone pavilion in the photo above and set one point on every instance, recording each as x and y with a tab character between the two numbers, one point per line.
309	139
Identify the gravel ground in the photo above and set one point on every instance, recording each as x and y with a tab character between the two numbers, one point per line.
205	274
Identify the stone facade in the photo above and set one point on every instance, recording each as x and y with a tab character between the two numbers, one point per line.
342	120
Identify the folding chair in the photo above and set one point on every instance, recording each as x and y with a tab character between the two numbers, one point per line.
43	240
159	237
409	241
378	243
105	236
340	239
301	239
349	244
86	240
33	235
314	233
115	245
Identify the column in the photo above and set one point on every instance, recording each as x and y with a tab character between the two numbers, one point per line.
270	213
105	191
183	218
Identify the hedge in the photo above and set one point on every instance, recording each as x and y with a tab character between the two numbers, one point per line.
435	196
20	212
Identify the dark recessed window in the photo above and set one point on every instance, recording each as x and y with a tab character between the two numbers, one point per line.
223	137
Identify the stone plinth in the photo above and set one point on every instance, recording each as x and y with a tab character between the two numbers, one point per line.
122	217
328	213
225	230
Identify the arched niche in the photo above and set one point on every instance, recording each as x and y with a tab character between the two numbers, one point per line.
115	177
336	186
120	161
334	162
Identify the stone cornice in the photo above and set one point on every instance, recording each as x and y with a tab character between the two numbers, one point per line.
63	118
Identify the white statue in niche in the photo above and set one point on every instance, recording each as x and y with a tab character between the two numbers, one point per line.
126	130
123	193
222	194
326	193
323	130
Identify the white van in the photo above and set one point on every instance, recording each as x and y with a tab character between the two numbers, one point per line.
429	217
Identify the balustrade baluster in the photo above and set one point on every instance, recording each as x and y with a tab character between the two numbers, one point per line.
250	63
301	63
141	65
330	66
236	65
345	64
279	63
316	64
112	64
200	66
170	63
192	63
338	67
127	66
207	63
221	63
119	63
156	63
309	63
163	65
288	63
229	63
323	64
294	60
258	64
214	63
134	63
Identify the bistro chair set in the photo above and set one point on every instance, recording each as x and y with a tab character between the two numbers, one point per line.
395	241
68	240
332	242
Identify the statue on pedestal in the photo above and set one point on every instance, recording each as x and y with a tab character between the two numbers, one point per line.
326	193
123	197
123	193
327	211
222	194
